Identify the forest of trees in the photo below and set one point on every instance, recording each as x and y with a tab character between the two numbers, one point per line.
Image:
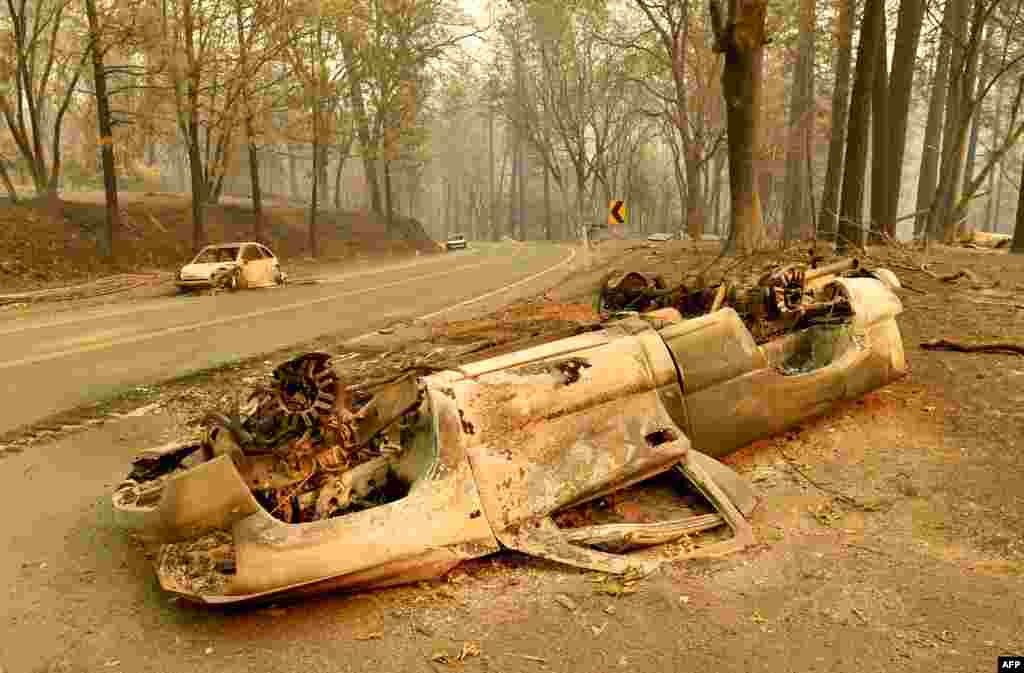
844	120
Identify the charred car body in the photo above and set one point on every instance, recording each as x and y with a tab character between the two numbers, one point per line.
231	266
319	486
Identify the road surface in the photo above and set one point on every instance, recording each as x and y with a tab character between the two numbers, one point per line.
52	364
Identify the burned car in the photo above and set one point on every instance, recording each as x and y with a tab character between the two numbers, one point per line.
231	266
319	486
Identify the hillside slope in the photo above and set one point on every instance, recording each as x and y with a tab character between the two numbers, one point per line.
43	245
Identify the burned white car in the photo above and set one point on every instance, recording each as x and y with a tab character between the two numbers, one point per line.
317	485
231	266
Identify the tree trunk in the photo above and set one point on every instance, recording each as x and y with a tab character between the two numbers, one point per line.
944	221
742	41
366	146
112	216
547	204
795	209
324	160
851	207
930	152
901	80
337	182
195	163
513	222
995	178
254	181
12	193
840	110
880	136
1017	246
389	195
972	154
490	174
522	191
313	248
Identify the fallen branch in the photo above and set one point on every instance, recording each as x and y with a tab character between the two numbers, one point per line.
991	347
962	273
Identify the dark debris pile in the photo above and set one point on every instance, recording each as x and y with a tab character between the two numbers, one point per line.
772	300
310	448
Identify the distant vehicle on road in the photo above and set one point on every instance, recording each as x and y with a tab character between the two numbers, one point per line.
456	242
660	237
232	266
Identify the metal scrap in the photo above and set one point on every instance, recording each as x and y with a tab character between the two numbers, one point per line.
310	448
781	298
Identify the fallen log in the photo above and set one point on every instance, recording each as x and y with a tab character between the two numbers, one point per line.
960	347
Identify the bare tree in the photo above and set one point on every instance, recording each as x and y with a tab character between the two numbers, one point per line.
112	217
40	67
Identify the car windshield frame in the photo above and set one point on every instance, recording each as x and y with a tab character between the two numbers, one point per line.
215	254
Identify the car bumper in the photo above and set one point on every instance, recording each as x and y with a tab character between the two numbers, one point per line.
194	284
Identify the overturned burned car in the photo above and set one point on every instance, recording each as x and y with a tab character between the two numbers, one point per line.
319	486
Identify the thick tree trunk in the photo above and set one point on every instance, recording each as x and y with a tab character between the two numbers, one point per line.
904	58
742	41
880	131
112	216
851	207
840	110
696	210
796	207
931	151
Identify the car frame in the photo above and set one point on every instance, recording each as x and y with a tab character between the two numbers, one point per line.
252	265
500	446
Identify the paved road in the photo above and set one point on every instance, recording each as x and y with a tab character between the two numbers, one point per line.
51	364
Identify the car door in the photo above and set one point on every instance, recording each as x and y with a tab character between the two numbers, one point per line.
257	270
275	265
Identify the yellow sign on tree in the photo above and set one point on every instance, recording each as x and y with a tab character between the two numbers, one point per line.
616	212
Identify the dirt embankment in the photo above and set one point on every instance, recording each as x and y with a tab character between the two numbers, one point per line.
45	245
